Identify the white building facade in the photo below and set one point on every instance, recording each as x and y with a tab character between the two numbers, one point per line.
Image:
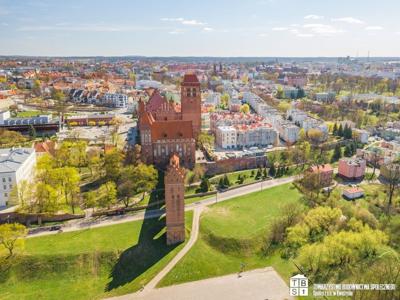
15	165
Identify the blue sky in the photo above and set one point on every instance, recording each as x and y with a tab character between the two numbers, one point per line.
200	28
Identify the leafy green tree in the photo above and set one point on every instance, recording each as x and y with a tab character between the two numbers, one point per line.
337	153
69	181
126	191
137	179
205	185
108	194
227	183
90	199
335	129
46	199
272	171
113	164
245	108
350	249
259	173
205	139
36	89
21	193
197	174
340	131
347	151
12	237
221	183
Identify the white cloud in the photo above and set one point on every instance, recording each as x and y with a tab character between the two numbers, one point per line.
208	29
263	34
172	19
88	27
323	29
305	35
373	28
184	21
280	28
313	17
175	32
4	24
349	20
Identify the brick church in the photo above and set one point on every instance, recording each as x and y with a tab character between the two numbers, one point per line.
167	128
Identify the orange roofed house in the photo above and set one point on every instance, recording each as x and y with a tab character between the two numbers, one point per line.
325	174
167	128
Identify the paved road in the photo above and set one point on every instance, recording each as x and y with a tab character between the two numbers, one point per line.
260	284
149	290
223	196
193	238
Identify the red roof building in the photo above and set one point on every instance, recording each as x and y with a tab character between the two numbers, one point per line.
325	173
165	129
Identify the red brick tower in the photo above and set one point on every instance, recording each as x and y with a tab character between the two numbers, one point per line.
174	182
145	122
191	102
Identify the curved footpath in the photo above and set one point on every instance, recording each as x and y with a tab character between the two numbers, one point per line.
223	196
193	238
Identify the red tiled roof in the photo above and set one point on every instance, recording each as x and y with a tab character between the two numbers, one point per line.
155	102
171	130
354	190
190	79
322	168
45	147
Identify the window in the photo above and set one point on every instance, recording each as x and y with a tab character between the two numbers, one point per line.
4	187
9	179
4	180
5	195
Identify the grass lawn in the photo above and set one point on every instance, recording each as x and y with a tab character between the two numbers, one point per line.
233	177
232	233
90	264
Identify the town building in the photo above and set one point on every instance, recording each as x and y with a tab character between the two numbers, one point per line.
241	136
15	165
6	119
167	128
90	120
288	132
46	147
353	193
361	135
325	174
218	119
174	182
325	96
225	137
116	100
352	169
